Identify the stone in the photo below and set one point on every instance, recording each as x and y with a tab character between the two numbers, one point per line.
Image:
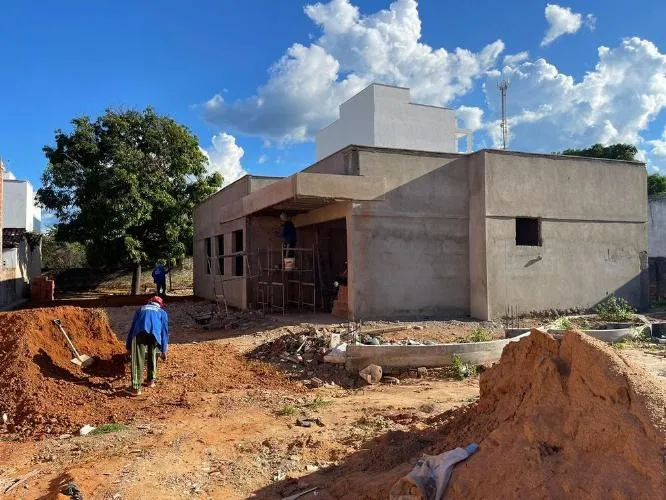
390	380
86	429
371	374
422	372
418	327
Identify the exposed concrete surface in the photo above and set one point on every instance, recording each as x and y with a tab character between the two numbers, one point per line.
657	226
397	358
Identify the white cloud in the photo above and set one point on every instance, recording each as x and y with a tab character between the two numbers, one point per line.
561	21
471	117
262	159
516	58
307	83
659	146
224	156
591	21
549	111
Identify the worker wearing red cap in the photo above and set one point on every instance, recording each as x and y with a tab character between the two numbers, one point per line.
149	334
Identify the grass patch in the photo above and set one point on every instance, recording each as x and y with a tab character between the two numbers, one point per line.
317	403
462	370
287	409
563	323
107	429
479	334
614	308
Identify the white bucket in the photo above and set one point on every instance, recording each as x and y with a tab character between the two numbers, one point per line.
289	263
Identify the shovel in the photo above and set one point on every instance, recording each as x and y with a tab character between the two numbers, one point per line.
81	360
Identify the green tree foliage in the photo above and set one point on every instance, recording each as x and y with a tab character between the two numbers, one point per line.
125	186
62	255
613	152
656	183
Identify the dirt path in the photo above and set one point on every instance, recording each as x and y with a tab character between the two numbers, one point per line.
200	433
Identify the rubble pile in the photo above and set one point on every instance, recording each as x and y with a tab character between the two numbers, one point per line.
302	351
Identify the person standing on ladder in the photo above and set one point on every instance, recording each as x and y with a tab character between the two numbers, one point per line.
148	335
288	234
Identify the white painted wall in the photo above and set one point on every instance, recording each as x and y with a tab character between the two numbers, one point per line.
18	206
383	116
657	226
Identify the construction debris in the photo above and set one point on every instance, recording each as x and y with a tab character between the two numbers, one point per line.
371	374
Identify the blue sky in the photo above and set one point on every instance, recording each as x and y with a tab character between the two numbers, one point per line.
208	65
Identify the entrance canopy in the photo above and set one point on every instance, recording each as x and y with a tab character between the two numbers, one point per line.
304	192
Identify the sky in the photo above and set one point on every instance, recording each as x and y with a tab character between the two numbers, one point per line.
255	80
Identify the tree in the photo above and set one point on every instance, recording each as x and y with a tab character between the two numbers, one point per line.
125	186
656	183
613	152
61	255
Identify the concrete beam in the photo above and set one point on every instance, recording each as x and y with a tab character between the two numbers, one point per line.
311	185
325	214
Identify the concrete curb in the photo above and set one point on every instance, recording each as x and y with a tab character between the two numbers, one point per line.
612	335
399	358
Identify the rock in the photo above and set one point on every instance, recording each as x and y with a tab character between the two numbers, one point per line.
418	327
371	374
64	436
311	468
5	418
422	372
390	380
335	340
86	429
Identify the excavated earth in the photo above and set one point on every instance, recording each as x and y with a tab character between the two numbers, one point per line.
557	418
42	392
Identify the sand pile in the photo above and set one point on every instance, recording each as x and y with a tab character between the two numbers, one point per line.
42	392
556	419
40	388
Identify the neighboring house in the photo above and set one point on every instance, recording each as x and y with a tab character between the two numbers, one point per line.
432	233
657	246
21	243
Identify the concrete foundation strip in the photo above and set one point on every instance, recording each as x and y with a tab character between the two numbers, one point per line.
398	358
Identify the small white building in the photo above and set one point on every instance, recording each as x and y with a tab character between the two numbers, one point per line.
21	248
383	116
18	205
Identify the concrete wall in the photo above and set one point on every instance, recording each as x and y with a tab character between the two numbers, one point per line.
593	230
408	255
19	206
657	226
382	116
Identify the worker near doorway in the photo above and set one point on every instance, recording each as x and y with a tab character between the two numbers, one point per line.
159	277
148	336
288	233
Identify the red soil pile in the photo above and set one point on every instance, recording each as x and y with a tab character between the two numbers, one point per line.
42	392
556	418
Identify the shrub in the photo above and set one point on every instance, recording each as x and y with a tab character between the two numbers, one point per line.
462	370
479	334
614	308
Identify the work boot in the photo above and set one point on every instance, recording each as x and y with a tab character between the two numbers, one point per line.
150	383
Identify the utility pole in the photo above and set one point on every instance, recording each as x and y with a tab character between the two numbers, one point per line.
503	87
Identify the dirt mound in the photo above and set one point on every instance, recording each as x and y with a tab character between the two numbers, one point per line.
42	392
556	418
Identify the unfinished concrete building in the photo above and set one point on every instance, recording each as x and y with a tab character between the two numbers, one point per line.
429	233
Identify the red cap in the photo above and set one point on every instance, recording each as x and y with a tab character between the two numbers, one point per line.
157	300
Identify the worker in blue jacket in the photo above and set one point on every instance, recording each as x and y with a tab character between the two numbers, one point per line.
159	277
288	234
149	334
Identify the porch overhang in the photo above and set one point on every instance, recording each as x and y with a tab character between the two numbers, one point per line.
305	192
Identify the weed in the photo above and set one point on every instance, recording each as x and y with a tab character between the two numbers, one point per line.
462	370
622	344
564	323
287	409
317	403
106	429
479	334
614	308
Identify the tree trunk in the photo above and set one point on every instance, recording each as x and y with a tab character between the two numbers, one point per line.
136	279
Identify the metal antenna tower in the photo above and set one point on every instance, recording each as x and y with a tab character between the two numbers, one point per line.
503	87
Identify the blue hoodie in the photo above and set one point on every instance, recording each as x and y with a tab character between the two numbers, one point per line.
159	274
151	319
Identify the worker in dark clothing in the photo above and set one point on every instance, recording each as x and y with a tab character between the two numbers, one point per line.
149	334
288	233
159	277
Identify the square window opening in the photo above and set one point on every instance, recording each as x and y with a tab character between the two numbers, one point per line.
528	231
238	244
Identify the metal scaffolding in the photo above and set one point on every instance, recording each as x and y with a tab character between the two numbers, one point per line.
280	286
